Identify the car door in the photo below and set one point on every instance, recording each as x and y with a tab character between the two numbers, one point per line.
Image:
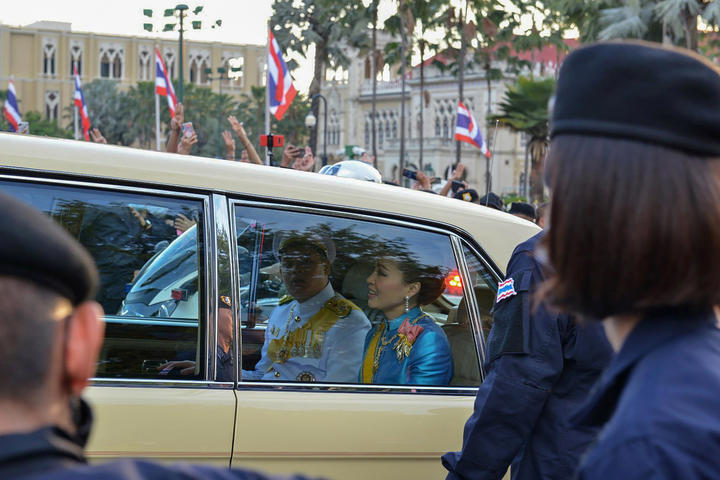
352	429
159	307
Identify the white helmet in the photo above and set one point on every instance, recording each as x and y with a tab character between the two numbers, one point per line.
353	169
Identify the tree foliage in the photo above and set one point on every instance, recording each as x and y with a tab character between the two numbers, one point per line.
330	26
524	109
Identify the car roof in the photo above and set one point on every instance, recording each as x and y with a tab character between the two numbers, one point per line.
497	232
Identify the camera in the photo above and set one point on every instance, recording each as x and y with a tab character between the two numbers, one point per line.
411	174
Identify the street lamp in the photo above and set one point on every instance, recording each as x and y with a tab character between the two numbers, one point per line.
311	122
181	8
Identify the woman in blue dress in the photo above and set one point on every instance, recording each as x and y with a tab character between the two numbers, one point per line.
407	347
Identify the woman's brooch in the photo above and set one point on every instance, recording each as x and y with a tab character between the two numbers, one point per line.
407	334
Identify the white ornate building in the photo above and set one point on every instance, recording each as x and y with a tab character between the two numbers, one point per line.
349	96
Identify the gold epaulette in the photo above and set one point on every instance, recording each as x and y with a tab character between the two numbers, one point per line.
342	307
285	299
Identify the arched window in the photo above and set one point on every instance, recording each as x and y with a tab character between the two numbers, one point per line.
367	132
49	53
76	56
52	104
144	58
199	62
111	61
446	129
170	63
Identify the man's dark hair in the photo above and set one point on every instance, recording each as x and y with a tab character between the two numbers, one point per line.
26	338
634	227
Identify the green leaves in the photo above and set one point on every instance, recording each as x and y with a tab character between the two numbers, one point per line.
524	107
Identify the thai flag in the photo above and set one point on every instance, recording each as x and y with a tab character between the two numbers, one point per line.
163	85
467	129
506	289
11	108
282	92
79	100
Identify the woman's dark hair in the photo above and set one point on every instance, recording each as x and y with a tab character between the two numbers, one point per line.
633	227
431	279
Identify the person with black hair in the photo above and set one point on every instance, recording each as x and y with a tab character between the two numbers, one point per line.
634	241
406	347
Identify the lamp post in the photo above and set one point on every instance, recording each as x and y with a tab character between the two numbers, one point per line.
181	8
220	77
311	121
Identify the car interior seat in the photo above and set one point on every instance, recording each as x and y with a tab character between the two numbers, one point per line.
462	341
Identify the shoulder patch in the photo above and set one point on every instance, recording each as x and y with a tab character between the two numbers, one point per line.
285	299
341	307
506	289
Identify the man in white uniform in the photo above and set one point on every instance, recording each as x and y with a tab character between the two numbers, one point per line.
314	335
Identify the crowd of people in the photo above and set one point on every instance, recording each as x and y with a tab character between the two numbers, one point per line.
602	362
455	184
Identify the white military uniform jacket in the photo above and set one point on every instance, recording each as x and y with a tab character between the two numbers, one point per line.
319	340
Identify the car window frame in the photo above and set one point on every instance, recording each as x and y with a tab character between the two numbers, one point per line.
209	240
457	237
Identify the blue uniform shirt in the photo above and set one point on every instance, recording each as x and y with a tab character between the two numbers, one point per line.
661	395
540	368
429	361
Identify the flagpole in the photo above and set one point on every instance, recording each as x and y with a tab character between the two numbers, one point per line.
75	108
157	121
267	93
77	132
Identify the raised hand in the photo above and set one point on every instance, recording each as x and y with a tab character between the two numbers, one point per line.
229	144
97	137
186	143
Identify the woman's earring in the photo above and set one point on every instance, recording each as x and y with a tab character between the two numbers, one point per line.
407	304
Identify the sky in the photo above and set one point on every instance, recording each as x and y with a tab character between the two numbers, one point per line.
243	21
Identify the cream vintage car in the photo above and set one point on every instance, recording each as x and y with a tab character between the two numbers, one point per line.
173	235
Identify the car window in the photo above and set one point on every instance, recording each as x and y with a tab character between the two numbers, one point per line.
323	300
148	251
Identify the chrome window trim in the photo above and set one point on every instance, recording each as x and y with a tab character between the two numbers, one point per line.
221	222
210	281
369	215
355	388
148	382
174	193
450	232
471	303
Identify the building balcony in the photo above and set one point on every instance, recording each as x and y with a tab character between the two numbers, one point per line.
384	88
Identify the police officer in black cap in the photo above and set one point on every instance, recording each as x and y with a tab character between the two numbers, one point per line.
541	365
50	337
523	210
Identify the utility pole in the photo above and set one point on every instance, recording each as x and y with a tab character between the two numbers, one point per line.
181	8
461	72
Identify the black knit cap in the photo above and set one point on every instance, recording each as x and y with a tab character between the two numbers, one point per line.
523	208
491	200
640	91
467	195
34	248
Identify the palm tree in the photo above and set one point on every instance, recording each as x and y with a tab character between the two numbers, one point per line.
524	109
668	21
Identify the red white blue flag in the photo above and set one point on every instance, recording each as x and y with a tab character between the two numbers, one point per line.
282	92
467	129
79	100
506	289
163	85
12	113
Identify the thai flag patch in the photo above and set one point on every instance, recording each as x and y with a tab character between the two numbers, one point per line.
506	289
